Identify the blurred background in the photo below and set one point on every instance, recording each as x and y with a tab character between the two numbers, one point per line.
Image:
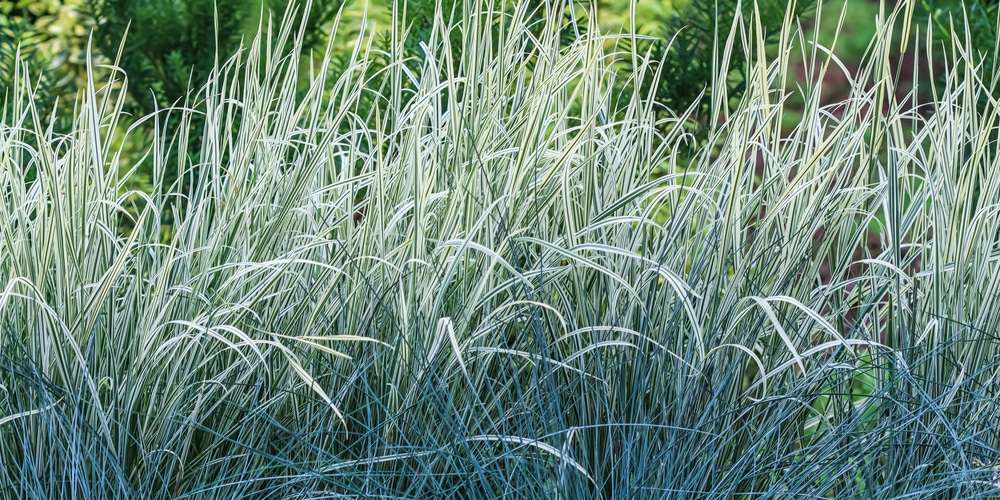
168	46
173	42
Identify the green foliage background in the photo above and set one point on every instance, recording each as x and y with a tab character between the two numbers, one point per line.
171	45
50	35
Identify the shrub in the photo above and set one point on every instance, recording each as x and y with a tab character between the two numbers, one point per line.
169	45
691	46
982	22
46	36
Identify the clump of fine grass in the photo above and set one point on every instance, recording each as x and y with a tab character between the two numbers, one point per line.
477	289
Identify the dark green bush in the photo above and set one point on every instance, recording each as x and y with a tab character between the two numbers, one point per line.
689	37
171	44
45	36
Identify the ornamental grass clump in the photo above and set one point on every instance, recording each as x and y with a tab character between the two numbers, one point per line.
466	282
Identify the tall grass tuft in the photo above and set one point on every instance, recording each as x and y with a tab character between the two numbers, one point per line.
467	282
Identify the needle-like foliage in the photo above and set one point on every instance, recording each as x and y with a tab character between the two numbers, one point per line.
479	290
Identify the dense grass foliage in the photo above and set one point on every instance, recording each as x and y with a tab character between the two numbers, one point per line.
479	290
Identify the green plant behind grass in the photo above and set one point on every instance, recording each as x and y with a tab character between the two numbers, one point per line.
465	293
